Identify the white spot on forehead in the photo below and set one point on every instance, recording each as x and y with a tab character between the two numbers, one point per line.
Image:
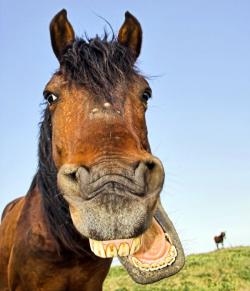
106	104
94	110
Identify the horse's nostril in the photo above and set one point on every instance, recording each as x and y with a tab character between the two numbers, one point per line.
150	165
143	168
68	179
71	173
150	173
73	176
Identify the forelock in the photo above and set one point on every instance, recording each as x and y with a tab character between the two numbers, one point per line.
98	64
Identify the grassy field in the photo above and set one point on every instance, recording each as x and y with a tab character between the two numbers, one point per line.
227	269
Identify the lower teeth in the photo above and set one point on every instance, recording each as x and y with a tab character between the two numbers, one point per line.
166	261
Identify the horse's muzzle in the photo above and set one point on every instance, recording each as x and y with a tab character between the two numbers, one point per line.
138	178
112	198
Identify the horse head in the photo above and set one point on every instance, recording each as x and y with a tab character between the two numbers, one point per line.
94	148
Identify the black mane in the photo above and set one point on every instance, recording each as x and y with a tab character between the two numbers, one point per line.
55	207
97	64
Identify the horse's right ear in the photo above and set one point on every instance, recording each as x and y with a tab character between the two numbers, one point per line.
61	33
130	34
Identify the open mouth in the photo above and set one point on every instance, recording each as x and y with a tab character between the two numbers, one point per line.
153	250
152	256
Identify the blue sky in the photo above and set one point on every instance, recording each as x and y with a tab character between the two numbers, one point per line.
198	119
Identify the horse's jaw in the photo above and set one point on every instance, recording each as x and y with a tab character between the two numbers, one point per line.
150	257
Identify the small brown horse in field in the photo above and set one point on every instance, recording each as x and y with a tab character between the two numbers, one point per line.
220	239
96	192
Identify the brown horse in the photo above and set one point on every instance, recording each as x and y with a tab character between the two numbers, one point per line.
96	192
220	239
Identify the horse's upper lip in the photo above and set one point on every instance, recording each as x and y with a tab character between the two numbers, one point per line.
114	183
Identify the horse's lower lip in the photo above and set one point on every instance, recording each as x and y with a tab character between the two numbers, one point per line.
143	269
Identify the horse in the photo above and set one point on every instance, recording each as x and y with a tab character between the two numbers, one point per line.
96	192
220	239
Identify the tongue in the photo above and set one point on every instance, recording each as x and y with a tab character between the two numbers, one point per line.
154	245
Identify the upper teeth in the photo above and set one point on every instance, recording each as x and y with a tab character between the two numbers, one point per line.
110	250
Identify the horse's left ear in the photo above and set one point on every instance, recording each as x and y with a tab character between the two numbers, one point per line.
130	34
61	33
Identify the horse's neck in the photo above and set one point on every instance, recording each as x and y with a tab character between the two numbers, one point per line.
32	222
35	260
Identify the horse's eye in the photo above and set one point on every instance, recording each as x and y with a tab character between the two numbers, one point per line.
146	95
51	98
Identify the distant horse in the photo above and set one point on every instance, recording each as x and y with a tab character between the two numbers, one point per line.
96	192
220	239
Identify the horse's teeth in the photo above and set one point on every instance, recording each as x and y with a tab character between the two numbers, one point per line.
154	266
100	250
173	252
136	244
97	248
111	251
123	250
167	261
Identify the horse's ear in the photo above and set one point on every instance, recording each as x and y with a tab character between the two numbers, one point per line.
130	34
61	33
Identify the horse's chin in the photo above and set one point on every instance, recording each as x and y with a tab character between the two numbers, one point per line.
109	217
148	247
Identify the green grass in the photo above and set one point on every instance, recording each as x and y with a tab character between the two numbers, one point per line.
227	269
